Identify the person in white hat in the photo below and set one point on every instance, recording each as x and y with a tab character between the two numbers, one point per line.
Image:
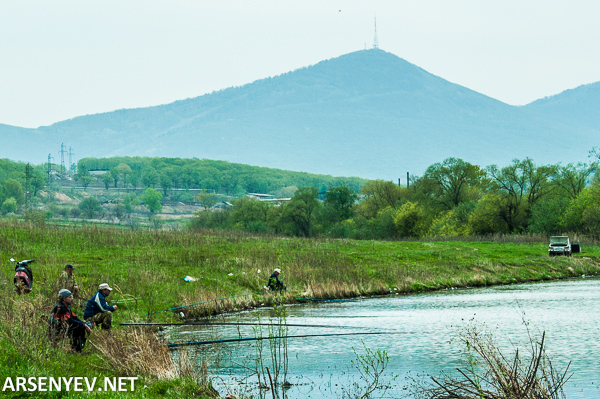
274	283
97	310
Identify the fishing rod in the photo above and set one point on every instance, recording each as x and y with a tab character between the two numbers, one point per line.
192	323
327	300
176	345
200	303
252	293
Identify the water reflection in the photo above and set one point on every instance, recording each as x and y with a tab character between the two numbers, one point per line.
321	366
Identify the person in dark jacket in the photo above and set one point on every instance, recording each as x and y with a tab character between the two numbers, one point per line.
274	283
63	322
97	310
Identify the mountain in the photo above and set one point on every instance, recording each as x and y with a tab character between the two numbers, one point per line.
368	113
579	106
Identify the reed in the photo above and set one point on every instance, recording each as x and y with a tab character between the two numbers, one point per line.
138	351
494	375
274	354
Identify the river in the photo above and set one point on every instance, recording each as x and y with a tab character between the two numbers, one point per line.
423	344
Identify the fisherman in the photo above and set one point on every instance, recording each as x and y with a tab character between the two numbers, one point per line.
274	283
67	280
97	310
23	279
64	322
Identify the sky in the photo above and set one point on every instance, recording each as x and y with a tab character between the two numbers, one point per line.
65	58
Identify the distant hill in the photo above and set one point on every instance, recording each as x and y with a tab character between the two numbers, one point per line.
368	113
579	106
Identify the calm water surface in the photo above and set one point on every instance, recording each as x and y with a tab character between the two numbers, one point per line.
568	311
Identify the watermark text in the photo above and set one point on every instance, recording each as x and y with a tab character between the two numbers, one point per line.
66	384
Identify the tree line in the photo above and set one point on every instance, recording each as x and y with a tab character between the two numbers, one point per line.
17	181
452	198
215	176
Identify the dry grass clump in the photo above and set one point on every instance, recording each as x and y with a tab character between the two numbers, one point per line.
24	322
337	289
492	375
217	306
138	351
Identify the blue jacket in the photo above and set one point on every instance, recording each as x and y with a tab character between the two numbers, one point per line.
274	283
96	304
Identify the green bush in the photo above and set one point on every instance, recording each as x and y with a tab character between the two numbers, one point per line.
9	206
90	207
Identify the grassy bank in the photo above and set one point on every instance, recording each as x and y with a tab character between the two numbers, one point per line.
147	270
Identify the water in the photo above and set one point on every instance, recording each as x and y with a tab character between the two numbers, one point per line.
319	367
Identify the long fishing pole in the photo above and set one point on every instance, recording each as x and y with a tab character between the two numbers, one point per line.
200	303
326	300
200	323
251	293
179	344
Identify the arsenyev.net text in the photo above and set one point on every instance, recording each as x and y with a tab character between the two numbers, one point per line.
77	384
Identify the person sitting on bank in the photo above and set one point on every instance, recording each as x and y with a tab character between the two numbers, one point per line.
97	310
63	322
67	281
274	283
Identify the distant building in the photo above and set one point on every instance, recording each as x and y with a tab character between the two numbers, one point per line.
98	172
259	196
267	198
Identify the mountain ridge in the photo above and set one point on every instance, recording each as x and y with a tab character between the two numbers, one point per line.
579	105
368	113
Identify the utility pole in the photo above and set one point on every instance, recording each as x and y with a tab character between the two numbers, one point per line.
62	158
407	180
71	153
49	168
27	186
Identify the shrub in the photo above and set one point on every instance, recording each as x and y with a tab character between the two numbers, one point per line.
75	212
89	207
9	206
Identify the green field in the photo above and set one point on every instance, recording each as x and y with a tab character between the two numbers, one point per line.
147	270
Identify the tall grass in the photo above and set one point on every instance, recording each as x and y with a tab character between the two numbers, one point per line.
138	351
147	268
27	351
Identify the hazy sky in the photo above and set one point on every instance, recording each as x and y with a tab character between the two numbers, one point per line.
64	58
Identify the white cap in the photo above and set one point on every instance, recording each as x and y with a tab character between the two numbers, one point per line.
104	286
277	270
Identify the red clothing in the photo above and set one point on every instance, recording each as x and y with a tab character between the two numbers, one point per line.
63	320
62	312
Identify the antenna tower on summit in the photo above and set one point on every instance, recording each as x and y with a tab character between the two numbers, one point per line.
375	41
